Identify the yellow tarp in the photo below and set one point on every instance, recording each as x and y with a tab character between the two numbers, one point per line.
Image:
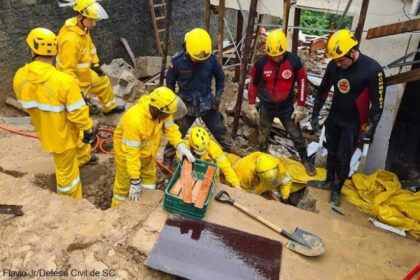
380	195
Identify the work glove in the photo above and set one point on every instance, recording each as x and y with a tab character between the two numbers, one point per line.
184	152
89	137
315	122
298	114
366	137
135	189
97	68
253	111
216	104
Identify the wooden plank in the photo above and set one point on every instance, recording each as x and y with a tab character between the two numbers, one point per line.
296	22
244	67
207	16
187	181
394	28
220	30
15	104
196	189
361	22
409	76
176	188
286	12
205	187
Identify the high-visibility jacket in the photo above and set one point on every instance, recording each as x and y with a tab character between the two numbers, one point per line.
139	135
251	182
215	154
76	52
54	103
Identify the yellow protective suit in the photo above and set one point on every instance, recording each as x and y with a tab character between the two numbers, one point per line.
76	53
380	195
136	141
292	174
59	114
215	154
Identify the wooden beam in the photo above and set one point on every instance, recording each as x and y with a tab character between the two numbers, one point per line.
220	30
361	22
239	27
286	12
207	15
296	22
394	28
409	76
245	60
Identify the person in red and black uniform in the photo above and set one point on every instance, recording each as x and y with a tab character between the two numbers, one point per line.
273	78
359	92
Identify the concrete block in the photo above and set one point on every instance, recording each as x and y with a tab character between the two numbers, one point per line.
115	69
16	4
150	65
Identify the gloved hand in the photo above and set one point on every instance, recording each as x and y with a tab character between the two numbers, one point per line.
298	114
366	137
253	110
89	137
216	104
135	189
184	152
97	68
315	122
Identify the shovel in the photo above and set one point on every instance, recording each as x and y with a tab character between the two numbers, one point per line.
300	241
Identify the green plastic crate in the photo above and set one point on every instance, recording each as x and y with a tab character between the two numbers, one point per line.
175	204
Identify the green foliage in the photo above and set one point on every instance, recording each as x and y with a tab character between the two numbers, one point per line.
320	20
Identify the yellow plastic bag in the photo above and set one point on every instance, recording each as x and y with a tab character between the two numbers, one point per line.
380	195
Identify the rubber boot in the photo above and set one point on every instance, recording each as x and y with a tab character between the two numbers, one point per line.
335	198
309	168
324	185
118	109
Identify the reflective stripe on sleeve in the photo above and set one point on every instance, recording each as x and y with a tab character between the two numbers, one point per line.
131	143
76	105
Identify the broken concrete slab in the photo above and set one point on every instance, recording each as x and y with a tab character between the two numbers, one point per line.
115	69
150	65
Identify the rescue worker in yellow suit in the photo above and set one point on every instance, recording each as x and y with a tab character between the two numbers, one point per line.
204	148
56	107
260	172
137	139
77	54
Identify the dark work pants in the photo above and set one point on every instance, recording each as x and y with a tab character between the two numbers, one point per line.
213	121
293	129
341	139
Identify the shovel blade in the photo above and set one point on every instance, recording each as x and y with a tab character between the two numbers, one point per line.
316	245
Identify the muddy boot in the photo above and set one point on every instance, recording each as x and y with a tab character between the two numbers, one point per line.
335	198
309	168
325	185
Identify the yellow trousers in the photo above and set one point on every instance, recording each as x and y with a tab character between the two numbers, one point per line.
101	87
67	173
122	179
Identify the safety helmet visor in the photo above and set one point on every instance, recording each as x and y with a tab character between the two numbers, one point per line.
94	11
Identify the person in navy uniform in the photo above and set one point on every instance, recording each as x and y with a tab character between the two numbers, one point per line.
193	69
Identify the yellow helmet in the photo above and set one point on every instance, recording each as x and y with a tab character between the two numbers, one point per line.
340	43
199	139
276	43
90	9
266	167
42	41
198	44
164	99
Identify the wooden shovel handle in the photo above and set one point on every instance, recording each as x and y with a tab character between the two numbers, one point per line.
260	219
